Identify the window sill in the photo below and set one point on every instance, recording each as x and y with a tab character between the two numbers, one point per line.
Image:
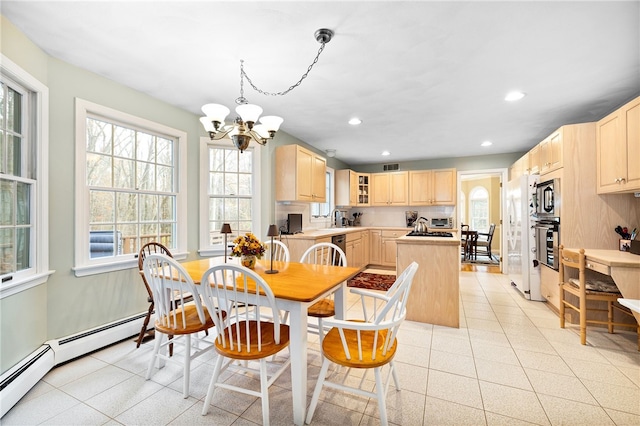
87	270
9	289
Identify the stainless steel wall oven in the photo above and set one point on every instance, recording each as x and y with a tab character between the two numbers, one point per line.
547	201
548	241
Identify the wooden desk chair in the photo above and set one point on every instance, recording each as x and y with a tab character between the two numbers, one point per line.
240	335
602	289
147	249
367	344
484	242
172	286
323	254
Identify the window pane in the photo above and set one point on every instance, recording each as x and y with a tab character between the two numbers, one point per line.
167	232
216	209
231	160
7	190
216	159
146	176
165	179
165	151
123	142
101	207
128	239
149	231
167	208
14	111
244	185
244	209
99	136
148	208
245	162
145	148
98	170
3	144
127	210
231	184
14	155
23	205
6	251
123	173
231	208
215	184
2	105
22	248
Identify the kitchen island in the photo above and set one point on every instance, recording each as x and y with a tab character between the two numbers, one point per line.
435	293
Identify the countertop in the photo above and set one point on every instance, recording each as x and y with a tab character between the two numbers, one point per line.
611	257
433	241
330	232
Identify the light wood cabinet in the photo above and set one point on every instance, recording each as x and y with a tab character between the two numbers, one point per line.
365	248
519	168
534	160
551	152
297	246
375	247
388	251
352	188
549	287
354	247
432	187
390	189
300	175
618	150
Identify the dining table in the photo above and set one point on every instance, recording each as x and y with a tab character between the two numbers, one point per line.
296	286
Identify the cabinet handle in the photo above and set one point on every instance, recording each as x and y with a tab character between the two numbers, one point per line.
622	180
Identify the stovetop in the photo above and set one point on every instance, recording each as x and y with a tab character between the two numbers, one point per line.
429	234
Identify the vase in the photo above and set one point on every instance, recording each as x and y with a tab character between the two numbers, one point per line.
248	260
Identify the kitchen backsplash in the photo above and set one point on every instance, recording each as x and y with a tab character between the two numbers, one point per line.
371	216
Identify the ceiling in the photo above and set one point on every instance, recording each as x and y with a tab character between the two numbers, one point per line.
428	79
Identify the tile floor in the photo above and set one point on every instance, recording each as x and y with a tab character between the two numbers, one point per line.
508	364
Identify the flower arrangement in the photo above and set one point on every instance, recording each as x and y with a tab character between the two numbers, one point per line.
248	245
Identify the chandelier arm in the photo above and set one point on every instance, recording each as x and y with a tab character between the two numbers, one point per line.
220	135
257	138
315	61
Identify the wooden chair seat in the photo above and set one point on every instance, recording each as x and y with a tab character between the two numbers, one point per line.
333	349
322	309
250	351
191	325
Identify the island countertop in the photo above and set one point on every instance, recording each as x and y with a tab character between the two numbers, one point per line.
434	241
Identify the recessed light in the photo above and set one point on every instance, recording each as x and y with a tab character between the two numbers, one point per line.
514	96
486	143
386	153
355	121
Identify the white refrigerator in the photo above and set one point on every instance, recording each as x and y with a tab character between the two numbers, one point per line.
522	266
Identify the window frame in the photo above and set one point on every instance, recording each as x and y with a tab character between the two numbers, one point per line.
84	265
331	191
38	128
256	220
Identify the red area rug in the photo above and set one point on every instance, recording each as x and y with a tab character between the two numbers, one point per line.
372	281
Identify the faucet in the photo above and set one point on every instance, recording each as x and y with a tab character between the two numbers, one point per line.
334	222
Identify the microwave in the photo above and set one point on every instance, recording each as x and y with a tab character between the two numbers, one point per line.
547	201
441	222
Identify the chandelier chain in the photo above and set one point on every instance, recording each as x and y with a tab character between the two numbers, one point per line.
244	74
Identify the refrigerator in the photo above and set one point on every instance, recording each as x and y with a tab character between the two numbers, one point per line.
522	266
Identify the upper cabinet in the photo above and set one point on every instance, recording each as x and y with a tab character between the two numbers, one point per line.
300	175
390	189
618	150
352	188
534	160
432	187
550	152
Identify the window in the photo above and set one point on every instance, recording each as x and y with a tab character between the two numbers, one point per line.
230	193
24	258
130	192
479	209
323	210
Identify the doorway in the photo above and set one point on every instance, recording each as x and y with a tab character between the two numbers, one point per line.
480	204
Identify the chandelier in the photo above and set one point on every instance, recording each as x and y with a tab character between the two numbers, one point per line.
244	128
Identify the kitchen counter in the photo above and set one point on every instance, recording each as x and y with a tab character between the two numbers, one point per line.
330	232
439	241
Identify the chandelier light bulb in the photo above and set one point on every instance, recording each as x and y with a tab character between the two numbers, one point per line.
208	125
215	112
249	112
272	122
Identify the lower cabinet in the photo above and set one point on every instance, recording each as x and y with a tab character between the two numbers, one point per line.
375	246
549	287
389	251
355	254
297	246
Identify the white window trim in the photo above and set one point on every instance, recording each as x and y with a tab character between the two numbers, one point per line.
256	222
331	195
83	264
40	275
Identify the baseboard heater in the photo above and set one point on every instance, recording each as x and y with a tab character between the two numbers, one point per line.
18	380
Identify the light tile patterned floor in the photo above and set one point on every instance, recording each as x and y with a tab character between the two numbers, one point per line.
508	363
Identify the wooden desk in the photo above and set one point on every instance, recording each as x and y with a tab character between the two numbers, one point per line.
623	267
296	287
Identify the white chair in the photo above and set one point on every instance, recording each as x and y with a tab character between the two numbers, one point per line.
172	286
323	254
240	336
367	344
280	251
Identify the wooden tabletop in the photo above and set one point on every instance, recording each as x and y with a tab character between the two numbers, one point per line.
300	282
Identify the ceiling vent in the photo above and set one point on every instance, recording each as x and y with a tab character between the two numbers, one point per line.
389	167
